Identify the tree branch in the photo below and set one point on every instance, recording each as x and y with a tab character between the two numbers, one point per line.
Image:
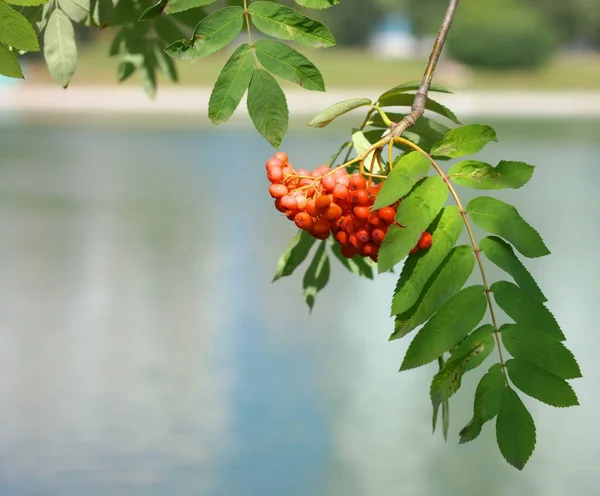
418	106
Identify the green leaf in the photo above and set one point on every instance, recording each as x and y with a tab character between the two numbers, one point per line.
152	11
289	24
444	384
419	267
535	346
316	276
459	315
295	253
488	396
445	418
267	107
436	407
503	219
416	211
175	6
15	30
77	10
211	35
60	50
540	384
231	85
449	278
524	309
317	4
167	66
331	113
411	86
501	254
465	140
26	3
361	144
357	265
480	175
515	430
125	70
406	100
9	65
285	62
148	74
408	169
476	347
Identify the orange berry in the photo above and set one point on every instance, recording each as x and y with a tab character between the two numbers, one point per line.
301	200
323	169
303	221
377	236
278	190
425	241
347	224
357	182
289	202
414	250
374	254
328	182
360	197
302	172
341	237
273	162
322	202
290	214
305	182
311	207
363	236
333	212
354	241
374	219
321	227
278	205
361	212
387	214
345	180
315	173
368	249
275	174
372	193
281	156
340	192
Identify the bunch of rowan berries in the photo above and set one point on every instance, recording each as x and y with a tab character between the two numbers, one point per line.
328	201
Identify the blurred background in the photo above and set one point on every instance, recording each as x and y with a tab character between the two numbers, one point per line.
143	348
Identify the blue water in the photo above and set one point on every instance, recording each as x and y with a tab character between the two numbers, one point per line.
144	350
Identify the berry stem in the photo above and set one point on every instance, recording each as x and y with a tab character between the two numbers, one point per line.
476	251
390	155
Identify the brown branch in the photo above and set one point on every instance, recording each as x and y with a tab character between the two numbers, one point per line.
418	106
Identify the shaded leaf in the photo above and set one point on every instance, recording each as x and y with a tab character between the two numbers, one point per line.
267	107
449	278
76	10
419	267
60	50
436	406
284	23
285	62
501	254
480	175
504	220
295	253
465	140
540	384
524	309
9	65
535	346
166	65
459	315
425	133
125	70
488	396
316	276
357	265
406	100
337	109
15	30
408	169
416	211
211	35
232	83
176	6
515	430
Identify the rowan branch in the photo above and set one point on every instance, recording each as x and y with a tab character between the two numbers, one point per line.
418	106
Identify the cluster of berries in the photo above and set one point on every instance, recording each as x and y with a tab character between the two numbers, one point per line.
330	201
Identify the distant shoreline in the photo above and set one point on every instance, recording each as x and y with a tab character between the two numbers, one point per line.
190	101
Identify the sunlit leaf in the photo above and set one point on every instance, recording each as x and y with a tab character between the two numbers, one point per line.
15	30
480	175
465	140
176	6
406	100
317	4
9	65
331	113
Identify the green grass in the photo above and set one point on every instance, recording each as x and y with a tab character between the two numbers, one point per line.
343	68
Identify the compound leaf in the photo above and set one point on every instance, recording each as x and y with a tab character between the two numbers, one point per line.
502	219
475	348
317	4
411	86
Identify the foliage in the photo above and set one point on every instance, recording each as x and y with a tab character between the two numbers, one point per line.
406	204
500	34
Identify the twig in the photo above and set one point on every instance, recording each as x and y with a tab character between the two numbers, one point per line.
418	106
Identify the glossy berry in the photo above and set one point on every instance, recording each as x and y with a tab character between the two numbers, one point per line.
322	202
281	156
340	192
360	197
303	221
363	236
321	227
278	190
274	162
333	212
425	241
387	214
361	212
377	236
358	182
328	183
289	202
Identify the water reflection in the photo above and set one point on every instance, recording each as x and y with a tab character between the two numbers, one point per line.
144	351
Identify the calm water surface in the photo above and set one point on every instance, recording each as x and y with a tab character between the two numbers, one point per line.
144	351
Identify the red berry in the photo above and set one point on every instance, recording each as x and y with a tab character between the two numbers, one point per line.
425	241
274	162
289	202
414	250
354	241
328	182
377	236
281	156
363	236
321	227
322	202
278	205
372	193
341	237
344	180
275	174
278	190
360	197
340	192
358	182
333	212
368	249
374	219
311	208
302	172
361	212
303	221
349	251
347	224
387	214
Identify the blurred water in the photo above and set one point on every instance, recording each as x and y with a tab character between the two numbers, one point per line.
143	349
